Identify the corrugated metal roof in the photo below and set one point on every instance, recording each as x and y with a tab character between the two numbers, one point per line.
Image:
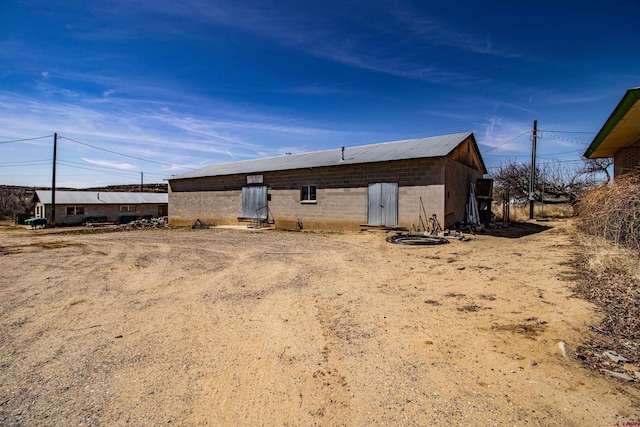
438	146
101	197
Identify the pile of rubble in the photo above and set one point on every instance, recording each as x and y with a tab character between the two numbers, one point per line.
141	224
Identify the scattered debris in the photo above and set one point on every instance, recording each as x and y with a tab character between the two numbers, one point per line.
617	375
630	367
470	307
615	356
565	349
617	295
145	223
200	224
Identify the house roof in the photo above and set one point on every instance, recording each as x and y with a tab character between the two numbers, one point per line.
622	128
438	146
97	197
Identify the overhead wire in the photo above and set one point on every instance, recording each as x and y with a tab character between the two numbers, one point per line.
506	142
25	139
98	168
125	155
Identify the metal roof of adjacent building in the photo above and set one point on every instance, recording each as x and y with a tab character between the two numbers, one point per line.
622	128
438	146
101	197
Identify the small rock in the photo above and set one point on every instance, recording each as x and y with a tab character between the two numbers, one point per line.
566	350
633	368
617	375
533	363
615	356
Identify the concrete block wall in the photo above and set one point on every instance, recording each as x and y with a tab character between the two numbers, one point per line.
220	207
342	194
410	208
334	209
626	160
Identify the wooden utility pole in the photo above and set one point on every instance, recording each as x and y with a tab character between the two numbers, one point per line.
532	179
53	181
141	182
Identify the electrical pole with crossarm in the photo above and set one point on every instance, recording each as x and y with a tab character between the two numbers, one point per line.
532	180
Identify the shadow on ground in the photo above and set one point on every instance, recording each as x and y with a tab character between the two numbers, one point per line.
516	230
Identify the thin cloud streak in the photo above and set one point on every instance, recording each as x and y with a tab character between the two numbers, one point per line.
110	164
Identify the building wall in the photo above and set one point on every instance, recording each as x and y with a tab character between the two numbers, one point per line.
626	160
458	178
341	200
112	212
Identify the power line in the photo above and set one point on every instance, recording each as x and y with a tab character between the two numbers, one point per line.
125	155
98	168
24	164
26	139
103	172
567	131
17	162
551	162
506	142
121	172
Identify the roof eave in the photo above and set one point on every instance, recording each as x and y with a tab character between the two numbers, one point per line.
628	100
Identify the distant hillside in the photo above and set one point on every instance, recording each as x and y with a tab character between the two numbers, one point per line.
131	188
16	199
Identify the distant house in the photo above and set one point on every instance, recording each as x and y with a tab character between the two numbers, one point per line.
77	207
620	135
385	184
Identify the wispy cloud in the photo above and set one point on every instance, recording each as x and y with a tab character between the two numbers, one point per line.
110	164
362	47
433	32
503	136
150	131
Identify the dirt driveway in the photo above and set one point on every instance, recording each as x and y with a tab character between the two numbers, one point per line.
228	327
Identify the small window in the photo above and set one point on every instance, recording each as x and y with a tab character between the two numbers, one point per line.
308	193
75	210
127	208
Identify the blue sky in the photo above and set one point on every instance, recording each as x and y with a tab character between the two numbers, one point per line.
177	85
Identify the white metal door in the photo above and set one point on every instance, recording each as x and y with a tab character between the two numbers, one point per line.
383	204
254	202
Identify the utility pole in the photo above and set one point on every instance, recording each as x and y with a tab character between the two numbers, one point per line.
141	182
53	182
532	179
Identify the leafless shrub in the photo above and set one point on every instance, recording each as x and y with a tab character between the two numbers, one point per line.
555	182
15	200
613	212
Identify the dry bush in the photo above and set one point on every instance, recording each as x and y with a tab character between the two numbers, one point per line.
602	258
613	212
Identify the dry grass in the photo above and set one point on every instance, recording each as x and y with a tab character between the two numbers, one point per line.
521	212
613	212
603	257
607	224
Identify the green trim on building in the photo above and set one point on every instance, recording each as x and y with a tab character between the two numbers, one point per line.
629	99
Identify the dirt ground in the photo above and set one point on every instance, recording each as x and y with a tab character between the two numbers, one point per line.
225	327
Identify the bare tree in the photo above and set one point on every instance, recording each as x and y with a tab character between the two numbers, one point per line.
598	166
556	182
15	200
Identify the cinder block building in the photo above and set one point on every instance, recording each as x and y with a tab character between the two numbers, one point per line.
76	207
385	184
620	136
